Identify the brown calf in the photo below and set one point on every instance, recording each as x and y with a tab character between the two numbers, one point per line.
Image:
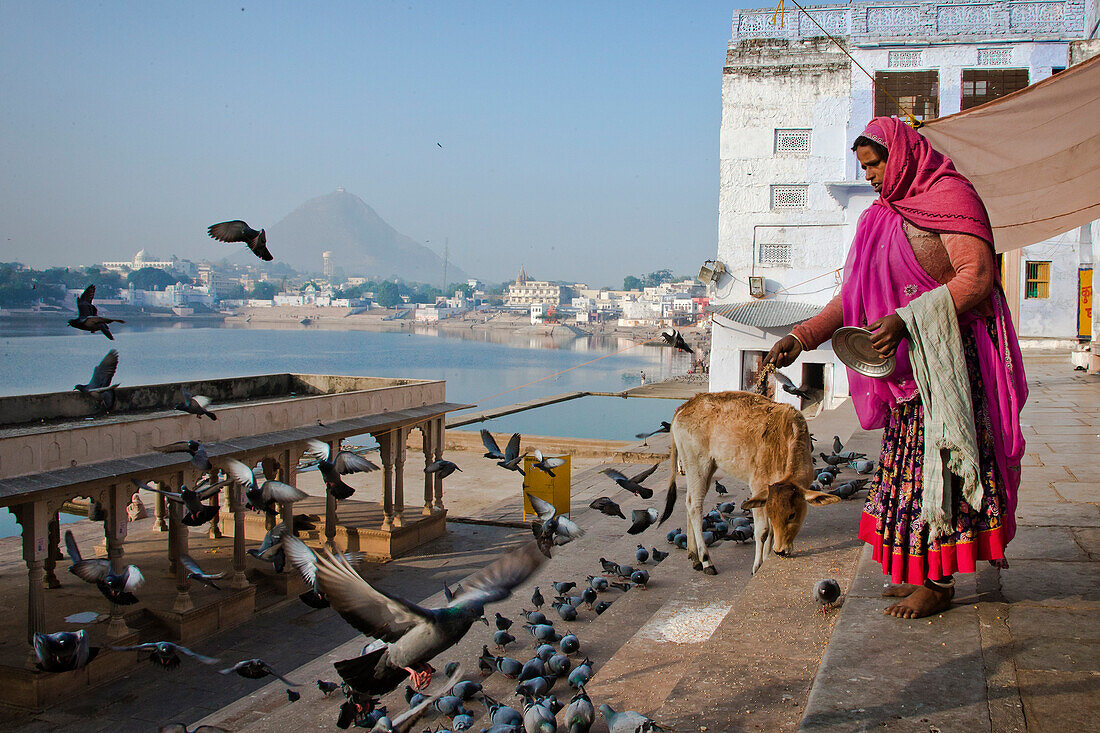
749	437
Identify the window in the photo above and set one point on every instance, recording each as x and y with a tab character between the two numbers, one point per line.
917	91
774	254
789	197
983	85
1038	280
792	141
994	56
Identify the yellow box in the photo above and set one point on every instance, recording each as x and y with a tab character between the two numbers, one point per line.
554	489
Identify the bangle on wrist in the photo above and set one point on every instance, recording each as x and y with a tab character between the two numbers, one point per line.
800	341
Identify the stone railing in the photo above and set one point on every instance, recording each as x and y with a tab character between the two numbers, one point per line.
874	22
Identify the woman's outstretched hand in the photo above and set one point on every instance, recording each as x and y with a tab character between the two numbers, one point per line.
886	333
785	351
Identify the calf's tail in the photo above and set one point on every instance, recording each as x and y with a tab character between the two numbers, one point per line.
670	497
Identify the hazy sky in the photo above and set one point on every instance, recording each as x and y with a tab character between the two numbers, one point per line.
580	139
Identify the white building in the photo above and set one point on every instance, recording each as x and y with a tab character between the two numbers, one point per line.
143	259
173	296
791	190
525	292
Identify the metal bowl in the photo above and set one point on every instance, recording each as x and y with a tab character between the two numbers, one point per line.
853	347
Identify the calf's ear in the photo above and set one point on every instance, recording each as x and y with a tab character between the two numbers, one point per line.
819	498
757	500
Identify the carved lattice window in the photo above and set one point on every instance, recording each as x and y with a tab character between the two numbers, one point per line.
792	141
994	56
774	254
789	197
904	59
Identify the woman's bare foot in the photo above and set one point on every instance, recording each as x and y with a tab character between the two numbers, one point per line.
899	590
922	602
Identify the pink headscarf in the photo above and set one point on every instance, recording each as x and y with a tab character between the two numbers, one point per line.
922	185
882	274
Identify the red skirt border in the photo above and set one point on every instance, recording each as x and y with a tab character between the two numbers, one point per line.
941	562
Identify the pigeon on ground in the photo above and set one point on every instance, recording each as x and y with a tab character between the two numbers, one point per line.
327	688
333	467
509	667
628	721
848	489
238	231
675	339
720	489
640	578
510	458
657	555
642	519
502	639
862	466
609	568
63	651
293	695
546	464
554	528
788	386
500	714
403	723
542	632
465	689
665	427
442	468
602	606
625	571
532	668
165	653
88	318
194	572
837	445
503	623
534	617
558	665
304	561
196	513
825	478
408	635
634	483
99	386
597	583
604	505
579	714
536	598
563	586
264	496
118	589
193	404
569	644
255	669
826	592
641	554
581	674
537	718
567	611
833	460
621	586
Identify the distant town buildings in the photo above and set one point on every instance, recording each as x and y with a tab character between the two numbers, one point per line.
524	292
791	189
143	259
328	268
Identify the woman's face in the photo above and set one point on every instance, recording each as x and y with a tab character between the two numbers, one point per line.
873	166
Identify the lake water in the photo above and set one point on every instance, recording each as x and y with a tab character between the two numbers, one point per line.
476	365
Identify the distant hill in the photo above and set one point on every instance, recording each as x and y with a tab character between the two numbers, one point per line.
361	242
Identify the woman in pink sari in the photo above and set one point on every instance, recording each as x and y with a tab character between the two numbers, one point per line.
928	229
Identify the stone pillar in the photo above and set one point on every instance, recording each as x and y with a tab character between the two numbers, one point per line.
216	522
53	553
159	512
34	518
438	438
429	448
400	447
114	533
385	450
235	496
178	532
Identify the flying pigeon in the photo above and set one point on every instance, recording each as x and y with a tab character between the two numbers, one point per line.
675	339
628	721
62	651
196	405
552	528
408	635
272	549
510	458
194	572
332	467
634	483
261	496
441	467
199	458
304	561
238	231
99	386
788	386
88	318
642	519
255	669
165	653
118	589
606	506
546	464
196	513
665	427
826	592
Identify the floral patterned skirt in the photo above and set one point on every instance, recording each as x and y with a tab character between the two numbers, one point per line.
891	521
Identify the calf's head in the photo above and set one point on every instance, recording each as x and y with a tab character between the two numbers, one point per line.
785	505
